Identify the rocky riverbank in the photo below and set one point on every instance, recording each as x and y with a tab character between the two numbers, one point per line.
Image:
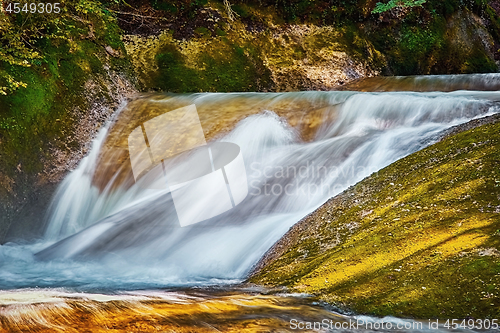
77	78
417	239
37	153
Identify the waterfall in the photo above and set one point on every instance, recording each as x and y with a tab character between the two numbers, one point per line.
124	235
481	82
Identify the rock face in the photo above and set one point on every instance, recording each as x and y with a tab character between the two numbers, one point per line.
281	58
258	51
74	81
45	129
419	238
25	194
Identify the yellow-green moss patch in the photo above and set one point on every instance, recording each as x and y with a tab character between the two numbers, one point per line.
419	238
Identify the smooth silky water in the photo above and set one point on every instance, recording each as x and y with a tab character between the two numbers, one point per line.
108	235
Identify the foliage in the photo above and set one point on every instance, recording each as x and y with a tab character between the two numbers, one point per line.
384	7
13	51
179	7
415	47
22	33
53	57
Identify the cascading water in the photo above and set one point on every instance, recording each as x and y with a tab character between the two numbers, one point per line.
482	82
120	235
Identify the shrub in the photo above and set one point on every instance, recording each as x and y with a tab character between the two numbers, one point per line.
21	34
384	7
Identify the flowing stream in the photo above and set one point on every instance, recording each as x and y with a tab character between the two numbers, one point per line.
107	232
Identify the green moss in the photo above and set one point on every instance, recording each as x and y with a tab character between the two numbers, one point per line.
445	8
412	48
229	68
52	90
241	10
202	31
37	119
164	5
385	7
220	32
479	62
417	239
433	46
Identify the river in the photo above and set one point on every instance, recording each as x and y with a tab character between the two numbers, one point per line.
115	238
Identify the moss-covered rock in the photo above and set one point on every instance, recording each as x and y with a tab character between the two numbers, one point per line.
303	45
46	128
296	58
420	238
194	45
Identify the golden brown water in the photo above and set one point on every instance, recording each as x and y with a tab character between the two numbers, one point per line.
158	311
427	83
189	310
218	113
